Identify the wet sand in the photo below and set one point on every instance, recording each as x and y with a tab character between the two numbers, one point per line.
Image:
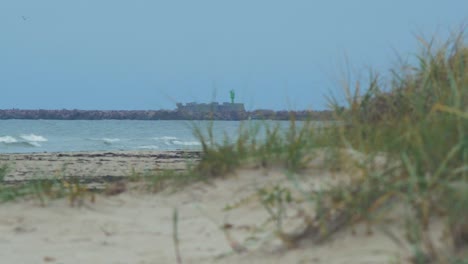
93	166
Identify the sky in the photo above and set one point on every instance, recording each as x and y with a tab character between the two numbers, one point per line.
150	54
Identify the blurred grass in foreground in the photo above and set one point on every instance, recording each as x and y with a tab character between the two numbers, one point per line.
417	121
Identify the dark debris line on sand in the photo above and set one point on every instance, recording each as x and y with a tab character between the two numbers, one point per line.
92	167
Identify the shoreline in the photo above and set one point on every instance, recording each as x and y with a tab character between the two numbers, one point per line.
93	165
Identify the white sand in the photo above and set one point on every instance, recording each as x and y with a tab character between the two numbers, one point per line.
136	227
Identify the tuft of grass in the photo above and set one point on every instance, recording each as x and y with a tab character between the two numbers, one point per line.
218	159
46	189
275	201
164	179
3	172
263	144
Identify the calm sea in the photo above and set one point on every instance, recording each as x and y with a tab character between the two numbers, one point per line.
20	136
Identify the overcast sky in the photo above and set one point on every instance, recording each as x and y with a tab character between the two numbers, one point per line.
137	54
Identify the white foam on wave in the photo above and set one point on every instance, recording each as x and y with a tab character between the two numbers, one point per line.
187	143
149	147
165	138
12	141
168	140
8	139
111	140
34	144
33	138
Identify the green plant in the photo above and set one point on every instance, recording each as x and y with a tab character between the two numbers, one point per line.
421	124
412	134
218	159
274	201
175	235
45	189
3	172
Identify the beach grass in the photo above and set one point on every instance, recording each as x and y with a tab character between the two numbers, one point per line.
45	190
413	134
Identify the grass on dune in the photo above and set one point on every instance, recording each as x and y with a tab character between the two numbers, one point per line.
418	121
45	189
261	143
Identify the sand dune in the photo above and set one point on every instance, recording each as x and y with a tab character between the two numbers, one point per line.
137	227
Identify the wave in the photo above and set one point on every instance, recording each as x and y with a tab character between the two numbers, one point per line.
165	138
105	140
33	138
170	141
8	140
32	144
110	141
25	144
168	138
187	143
12	141
149	147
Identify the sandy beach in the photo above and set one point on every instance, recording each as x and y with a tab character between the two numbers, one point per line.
137	227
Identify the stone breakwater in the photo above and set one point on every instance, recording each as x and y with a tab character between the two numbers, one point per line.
180	114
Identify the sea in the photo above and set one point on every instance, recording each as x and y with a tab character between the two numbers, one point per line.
26	136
